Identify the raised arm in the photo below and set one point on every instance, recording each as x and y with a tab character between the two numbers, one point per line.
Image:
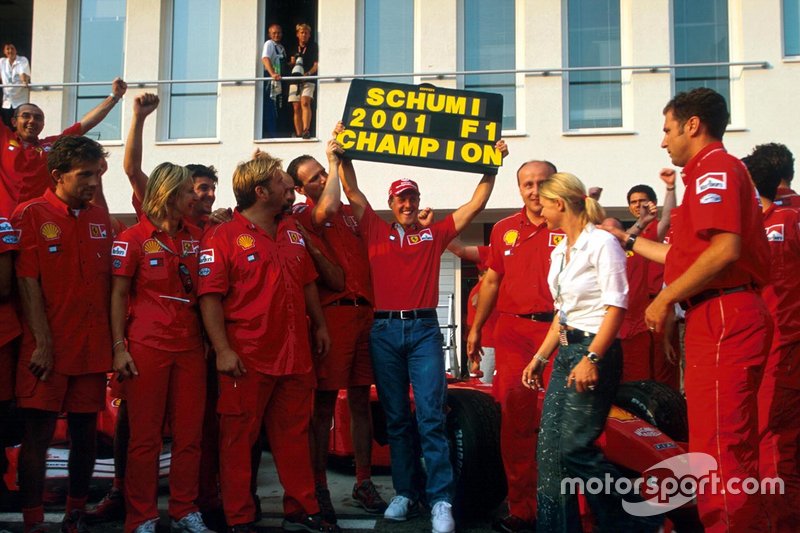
143	105
96	115
468	253
331	196
358	202
667	175
464	214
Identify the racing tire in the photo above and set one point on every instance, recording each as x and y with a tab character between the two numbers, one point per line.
656	404
473	429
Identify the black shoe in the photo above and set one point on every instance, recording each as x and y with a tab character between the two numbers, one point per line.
323	496
74	523
313	523
110	508
243	528
366	495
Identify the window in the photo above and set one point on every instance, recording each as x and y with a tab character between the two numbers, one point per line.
791	27
194	55
593	40
489	44
700	35
389	38
101	56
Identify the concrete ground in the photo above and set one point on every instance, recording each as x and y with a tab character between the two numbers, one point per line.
340	482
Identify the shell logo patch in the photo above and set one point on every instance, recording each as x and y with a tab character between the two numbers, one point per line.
50	231
245	241
510	237
775	233
150	246
620	414
13	144
295	237
97	231
555	239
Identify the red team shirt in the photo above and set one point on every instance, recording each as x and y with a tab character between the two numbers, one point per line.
340	240
782	295
23	167
9	321
261	281
786	197
163	302
520	251
719	196
70	256
405	267
637	269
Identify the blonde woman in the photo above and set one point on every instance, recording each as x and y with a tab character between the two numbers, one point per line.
589	285
158	349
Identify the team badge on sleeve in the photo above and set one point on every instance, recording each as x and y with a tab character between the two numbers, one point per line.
426	235
119	249
97	231
295	237
206	256
5	225
775	233
50	231
711	180
413	239
555	239
245	241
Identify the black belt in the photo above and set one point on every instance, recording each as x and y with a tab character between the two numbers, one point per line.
573	336
407	314
538	317
350	302
701	297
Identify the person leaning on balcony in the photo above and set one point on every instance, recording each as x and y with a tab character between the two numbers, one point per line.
14	70
23	155
590	290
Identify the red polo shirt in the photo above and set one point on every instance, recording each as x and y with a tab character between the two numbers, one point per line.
405	266
786	197
261	281
520	252
782	295
69	255
9	321
655	271
163	298
23	167
719	196
637	268
342	244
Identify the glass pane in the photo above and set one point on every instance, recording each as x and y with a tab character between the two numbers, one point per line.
595	97
101	56
701	36
195	55
389	38
489	45
791	27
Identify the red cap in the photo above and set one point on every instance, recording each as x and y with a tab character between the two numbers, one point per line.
401	186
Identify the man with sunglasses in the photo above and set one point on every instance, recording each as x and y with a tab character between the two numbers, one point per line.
23	155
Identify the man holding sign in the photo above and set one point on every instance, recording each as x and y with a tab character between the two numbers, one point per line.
405	341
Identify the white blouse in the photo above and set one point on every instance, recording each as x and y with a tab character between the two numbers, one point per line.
593	278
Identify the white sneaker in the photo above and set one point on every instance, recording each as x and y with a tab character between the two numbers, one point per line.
401	509
442	518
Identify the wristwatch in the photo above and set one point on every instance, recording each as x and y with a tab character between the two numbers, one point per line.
593	358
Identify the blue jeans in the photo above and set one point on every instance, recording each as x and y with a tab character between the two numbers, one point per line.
571	422
410	352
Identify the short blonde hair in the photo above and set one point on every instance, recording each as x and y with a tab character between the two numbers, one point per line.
302	26
250	174
569	189
163	185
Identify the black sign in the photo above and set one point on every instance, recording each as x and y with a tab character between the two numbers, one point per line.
422	125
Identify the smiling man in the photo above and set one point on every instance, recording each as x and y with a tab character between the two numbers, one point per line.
23	155
64	355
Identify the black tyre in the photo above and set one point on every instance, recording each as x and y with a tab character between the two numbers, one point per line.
473	428
658	405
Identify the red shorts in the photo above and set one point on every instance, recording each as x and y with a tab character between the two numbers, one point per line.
348	363
8	362
85	393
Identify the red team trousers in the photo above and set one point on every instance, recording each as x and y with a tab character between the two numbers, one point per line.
284	404
173	385
727	341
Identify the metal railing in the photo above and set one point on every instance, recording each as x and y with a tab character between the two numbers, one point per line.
544	72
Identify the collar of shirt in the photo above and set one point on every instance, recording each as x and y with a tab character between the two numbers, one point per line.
51	198
239	218
695	161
